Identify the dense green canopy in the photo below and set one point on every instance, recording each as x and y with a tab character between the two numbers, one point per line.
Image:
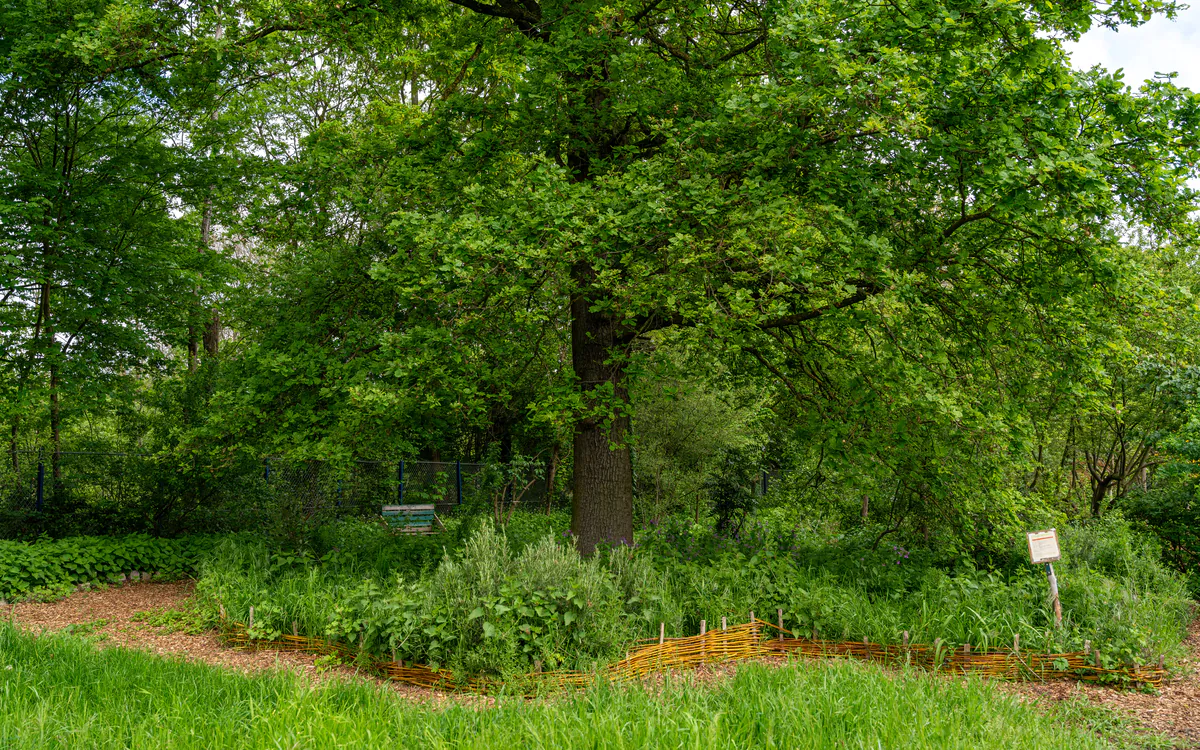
902	249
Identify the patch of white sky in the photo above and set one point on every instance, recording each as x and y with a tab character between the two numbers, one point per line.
1162	45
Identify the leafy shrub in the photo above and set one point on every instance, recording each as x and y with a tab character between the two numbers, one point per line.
486	609
31	568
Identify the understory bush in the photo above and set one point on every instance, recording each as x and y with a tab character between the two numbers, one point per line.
498	605
1114	591
488	608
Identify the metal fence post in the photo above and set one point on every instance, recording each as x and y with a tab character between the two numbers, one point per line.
41	483
458	479
764	483
400	485
267	470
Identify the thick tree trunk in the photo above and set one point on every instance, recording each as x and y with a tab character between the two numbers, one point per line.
602	507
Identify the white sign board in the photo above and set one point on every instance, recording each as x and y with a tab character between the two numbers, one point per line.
1043	546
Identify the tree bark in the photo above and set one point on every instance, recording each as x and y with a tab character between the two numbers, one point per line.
212	326
550	476
55	423
602	506
1099	490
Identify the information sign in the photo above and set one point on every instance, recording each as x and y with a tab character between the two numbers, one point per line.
1043	546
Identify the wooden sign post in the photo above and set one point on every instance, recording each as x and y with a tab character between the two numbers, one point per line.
1043	548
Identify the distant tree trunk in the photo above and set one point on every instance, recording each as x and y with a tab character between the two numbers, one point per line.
193	349
55	424
212	326
211	335
602	506
550	476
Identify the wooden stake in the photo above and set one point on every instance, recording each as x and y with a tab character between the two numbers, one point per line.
1096	660
724	625
295	629
1016	643
780	613
251	625
966	648
703	627
1087	647
904	637
662	633
1054	594
751	615
221	609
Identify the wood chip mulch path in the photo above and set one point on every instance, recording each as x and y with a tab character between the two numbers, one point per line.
1174	710
118	604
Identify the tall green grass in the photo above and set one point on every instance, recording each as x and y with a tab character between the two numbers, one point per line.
57	691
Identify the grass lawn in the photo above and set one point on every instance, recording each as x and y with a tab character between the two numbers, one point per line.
59	691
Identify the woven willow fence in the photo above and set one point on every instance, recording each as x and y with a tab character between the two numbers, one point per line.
732	644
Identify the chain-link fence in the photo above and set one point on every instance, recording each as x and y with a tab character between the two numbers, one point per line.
101	493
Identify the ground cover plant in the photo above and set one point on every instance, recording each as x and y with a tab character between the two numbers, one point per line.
51	567
58	686
501	605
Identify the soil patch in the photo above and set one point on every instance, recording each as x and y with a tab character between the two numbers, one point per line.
1174	710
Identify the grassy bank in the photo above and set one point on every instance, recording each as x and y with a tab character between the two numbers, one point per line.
58	691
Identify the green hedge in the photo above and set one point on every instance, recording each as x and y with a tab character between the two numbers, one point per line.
51	566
